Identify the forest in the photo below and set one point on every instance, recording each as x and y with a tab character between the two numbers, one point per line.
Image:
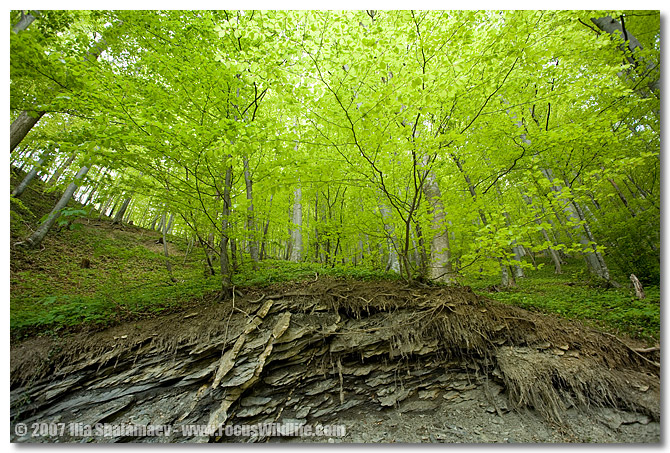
166	163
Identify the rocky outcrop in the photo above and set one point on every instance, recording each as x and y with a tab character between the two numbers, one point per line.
319	353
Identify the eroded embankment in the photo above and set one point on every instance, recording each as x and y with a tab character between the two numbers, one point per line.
328	351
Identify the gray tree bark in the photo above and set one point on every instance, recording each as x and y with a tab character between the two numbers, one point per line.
31	175
59	171
263	253
226	271
573	212
27	18
38	236
251	224
168	264
118	218
393	262
296	227
170	224
615	28
440	268
21	126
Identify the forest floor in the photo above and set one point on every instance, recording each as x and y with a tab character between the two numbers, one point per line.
521	363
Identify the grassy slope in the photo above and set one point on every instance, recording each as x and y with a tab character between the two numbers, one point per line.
572	295
51	292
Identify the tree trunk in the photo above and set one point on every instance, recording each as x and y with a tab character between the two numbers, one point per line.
38	236
440	268
116	203
265	232
168	264
25	21
153	223
208	259
611	26
89	197
21	126
59	171
423	255
129	212
251	224
622	197
118	218
296	228
31	174
393	263
226	271
593	257
170	224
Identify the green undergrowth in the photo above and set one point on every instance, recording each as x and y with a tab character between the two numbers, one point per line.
573	295
97	275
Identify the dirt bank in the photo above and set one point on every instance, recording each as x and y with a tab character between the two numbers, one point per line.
389	362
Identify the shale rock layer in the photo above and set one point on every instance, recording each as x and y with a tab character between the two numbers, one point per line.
310	352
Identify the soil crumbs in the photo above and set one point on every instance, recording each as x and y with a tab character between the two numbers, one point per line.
390	362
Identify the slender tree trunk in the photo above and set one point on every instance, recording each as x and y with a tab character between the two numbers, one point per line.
168	264
296	228
251	224
103	208
440	268
170	224
129	212
622	197
116	203
153	223
632	54
118	218
226	271
423	255
593	257
21	126
208	259
27	18
31	174
317	246
54	178
393	263
265	232
38	236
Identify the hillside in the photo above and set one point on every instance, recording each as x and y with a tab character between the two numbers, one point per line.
369	225
388	361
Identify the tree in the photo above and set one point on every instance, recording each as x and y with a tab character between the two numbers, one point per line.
427	143
38	236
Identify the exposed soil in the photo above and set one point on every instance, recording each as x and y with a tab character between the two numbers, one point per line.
390	362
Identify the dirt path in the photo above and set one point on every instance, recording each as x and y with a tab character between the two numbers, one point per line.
389	362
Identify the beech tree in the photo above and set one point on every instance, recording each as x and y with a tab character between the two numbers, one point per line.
428	143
